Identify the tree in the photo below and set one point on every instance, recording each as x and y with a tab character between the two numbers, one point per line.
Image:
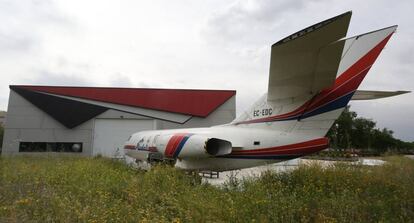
351	131
361	133
341	130
383	140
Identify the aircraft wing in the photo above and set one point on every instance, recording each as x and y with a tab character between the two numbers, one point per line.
306	62
369	95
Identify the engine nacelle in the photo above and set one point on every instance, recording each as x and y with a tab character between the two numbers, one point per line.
192	146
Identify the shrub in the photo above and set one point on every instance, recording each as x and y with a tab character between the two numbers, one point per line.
70	189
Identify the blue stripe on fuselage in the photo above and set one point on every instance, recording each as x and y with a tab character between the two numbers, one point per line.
333	105
181	145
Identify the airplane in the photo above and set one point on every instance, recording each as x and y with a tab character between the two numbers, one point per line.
314	73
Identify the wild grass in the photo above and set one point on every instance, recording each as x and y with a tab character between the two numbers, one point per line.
73	189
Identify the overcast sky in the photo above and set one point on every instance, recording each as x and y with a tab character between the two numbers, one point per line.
212	44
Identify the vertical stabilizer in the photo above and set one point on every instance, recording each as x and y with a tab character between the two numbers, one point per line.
313	115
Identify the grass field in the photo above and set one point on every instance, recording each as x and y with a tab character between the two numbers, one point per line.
35	189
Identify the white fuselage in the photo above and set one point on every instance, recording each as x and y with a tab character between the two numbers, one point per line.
241	138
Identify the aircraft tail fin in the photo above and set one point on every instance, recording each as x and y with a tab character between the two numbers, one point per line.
315	115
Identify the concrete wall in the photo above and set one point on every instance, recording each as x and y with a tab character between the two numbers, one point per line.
26	123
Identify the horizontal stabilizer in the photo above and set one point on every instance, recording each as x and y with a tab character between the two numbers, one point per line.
369	95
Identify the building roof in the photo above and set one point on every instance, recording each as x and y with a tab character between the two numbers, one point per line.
190	102
62	102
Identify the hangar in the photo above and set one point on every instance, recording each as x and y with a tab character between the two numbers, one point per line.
98	120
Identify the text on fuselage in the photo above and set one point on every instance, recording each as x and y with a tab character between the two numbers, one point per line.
262	112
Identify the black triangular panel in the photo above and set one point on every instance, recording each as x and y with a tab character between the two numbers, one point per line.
68	112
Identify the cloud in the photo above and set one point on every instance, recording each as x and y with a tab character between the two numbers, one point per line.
45	77
120	80
3	101
252	22
22	23
10	43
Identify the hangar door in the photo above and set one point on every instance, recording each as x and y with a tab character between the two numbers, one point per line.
111	134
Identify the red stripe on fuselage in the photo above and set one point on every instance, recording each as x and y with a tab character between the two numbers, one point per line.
296	148
173	144
293	151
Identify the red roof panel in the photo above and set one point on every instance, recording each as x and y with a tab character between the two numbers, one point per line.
190	102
